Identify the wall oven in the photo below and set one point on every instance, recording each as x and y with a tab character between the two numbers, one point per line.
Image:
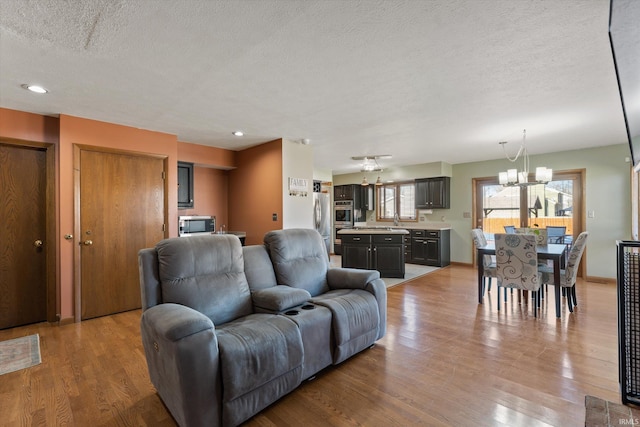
342	218
343	213
193	225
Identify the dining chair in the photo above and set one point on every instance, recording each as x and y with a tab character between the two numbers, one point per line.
540	233
510	229
489	265
555	234
568	275
517	265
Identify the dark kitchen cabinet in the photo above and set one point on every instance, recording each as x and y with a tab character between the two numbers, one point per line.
407	247
185	185
388	255
381	252
363	201
356	250
431	247
433	193
343	192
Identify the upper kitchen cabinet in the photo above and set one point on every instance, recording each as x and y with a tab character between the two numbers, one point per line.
433	193
343	192
185	185
363	201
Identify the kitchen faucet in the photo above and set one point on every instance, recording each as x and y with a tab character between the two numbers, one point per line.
396	219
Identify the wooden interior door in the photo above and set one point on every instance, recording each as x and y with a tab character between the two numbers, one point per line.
122	210
23	242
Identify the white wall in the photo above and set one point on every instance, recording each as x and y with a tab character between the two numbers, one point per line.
297	162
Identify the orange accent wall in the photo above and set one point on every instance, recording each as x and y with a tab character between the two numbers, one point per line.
28	126
255	191
206	156
210	195
243	199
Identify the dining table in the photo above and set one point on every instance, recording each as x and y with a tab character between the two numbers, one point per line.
551	251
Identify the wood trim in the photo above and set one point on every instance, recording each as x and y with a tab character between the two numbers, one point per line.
53	275
596	279
77	302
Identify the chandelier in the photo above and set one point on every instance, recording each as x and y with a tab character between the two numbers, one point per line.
512	177
370	164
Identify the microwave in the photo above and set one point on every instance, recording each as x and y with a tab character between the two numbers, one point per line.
193	225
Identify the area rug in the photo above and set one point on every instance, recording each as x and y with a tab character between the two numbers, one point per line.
411	271
601	413
19	353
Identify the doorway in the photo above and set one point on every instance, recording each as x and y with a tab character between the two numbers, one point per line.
27	226
121	200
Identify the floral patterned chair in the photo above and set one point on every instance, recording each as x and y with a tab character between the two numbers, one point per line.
488	262
517	265
569	275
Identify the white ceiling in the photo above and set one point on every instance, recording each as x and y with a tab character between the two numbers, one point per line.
424	81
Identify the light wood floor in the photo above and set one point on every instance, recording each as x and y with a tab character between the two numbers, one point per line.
445	361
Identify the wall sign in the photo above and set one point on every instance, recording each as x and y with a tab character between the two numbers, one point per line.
298	187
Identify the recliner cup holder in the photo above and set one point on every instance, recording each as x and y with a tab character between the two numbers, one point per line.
291	312
308	307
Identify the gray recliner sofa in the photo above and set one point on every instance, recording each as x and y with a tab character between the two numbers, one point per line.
228	330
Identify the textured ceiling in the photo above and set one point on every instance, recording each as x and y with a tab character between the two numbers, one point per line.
424	81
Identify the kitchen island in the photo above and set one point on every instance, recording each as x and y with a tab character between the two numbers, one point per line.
374	248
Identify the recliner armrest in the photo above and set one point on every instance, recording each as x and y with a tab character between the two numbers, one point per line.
175	321
278	298
367	280
350	278
181	348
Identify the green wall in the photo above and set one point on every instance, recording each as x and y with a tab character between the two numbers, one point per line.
607	193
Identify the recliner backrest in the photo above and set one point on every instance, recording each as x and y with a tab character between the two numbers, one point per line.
299	258
258	267
205	273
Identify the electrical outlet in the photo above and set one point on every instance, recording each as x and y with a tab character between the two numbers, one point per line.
591	214
466	215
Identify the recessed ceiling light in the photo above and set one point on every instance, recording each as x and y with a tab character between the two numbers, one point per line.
238	133
35	88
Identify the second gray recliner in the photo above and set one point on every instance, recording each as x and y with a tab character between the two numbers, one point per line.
356	298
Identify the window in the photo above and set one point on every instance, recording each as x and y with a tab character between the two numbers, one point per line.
397	198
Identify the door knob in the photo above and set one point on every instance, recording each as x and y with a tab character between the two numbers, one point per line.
88	242
38	243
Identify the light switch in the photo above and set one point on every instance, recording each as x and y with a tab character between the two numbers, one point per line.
591	214
274	217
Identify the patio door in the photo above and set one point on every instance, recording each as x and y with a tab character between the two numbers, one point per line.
558	203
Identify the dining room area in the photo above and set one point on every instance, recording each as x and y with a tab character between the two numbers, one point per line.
529	260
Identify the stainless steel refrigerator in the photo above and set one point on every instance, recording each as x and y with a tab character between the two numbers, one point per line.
322	212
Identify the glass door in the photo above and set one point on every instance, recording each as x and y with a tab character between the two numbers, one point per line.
556	204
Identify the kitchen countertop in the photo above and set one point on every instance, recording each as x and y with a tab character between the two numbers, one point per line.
413	226
240	234
373	230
